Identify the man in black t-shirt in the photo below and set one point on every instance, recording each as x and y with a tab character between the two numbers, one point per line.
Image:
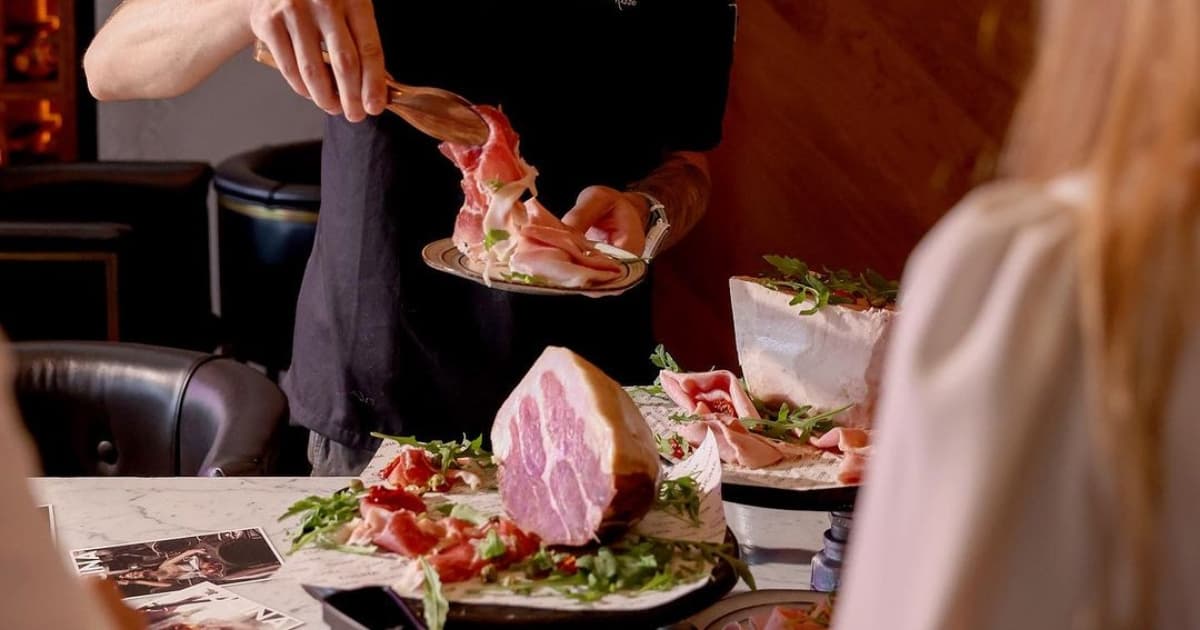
614	102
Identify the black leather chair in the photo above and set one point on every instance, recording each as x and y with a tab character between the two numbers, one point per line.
113	409
267	200
107	251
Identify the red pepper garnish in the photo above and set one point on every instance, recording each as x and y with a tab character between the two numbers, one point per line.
567	565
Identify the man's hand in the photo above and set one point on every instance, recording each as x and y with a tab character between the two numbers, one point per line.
294	31
615	217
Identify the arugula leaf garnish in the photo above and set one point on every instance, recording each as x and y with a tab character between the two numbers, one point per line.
445	454
684	418
634	563
663	359
542	563
492	546
436	608
782	424
826	287
494	236
787	266
795	423
464	512
322	517
524	278
680	496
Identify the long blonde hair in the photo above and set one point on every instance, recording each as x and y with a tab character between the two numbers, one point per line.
1115	93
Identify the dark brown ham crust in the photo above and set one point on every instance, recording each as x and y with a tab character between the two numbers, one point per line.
634	497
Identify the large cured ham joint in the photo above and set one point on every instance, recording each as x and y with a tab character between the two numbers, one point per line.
577	461
829	359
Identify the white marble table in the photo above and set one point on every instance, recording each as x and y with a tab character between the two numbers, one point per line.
93	512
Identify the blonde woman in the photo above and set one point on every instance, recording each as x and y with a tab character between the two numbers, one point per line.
37	592
1038	461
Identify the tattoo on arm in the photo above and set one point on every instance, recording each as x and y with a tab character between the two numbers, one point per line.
682	185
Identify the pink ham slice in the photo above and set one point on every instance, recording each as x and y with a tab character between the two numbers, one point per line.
486	170
788	618
854	445
735	444
371	524
577	461
718	398
851	470
404	534
844	439
527	237
709	392
413	468
547	248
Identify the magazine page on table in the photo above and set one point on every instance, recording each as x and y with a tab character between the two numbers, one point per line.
206	605
817	471
334	569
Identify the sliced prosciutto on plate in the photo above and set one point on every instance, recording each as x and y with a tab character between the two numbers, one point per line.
854	444
717	400
549	250
718	391
414	468
403	534
793	618
735	443
398	522
390	500
494	179
844	439
851	470
577	461
494	226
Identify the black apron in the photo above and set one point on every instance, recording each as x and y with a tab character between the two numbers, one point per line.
599	91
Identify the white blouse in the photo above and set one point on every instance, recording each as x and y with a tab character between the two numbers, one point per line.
978	510
38	591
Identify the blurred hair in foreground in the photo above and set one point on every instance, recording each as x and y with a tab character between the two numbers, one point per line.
1116	92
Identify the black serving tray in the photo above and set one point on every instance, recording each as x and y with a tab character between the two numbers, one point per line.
824	500
377	608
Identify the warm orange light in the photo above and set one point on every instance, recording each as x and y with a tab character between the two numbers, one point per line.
45	114
42	12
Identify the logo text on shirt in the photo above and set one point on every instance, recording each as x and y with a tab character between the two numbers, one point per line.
621	4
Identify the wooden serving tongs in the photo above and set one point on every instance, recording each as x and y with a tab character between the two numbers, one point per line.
433	111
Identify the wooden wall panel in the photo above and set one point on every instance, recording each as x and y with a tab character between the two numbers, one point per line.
852	126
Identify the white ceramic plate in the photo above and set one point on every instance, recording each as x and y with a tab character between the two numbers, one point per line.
444	256
736	611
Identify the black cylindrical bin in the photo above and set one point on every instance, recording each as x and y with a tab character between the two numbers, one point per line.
267	217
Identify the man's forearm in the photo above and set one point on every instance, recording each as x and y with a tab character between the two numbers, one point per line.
683	187
152	49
